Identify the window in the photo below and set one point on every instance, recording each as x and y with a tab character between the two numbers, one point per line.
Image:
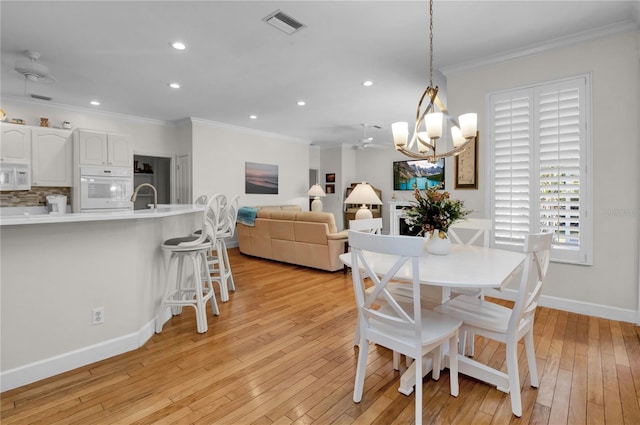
539	152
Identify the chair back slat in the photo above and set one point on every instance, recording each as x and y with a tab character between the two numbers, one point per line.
538	249
482	227
231	216
213	217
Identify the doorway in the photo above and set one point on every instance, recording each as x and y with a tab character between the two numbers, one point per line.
156	171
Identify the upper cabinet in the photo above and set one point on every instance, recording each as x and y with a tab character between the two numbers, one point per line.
119	149
100	148
47	150
15	143
51	157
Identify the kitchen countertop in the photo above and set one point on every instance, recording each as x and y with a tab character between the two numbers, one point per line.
39	216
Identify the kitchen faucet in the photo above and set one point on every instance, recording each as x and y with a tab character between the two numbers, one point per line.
155	194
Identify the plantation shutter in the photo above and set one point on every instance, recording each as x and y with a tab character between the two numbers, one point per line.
539	170
512	156
560	120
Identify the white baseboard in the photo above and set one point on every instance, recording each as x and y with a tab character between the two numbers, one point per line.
580	307
42	369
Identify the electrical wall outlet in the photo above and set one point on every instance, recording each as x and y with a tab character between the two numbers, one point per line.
97	316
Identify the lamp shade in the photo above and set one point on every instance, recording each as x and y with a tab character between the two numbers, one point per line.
364	194
316	190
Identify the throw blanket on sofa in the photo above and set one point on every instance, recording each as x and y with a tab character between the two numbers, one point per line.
247	216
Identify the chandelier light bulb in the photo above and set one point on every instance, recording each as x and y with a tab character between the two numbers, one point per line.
468	124
400	132
424	137
456	135
433	122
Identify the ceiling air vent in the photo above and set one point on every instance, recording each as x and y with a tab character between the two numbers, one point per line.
283	22
40	97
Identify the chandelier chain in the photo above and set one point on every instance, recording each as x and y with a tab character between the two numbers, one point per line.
431	43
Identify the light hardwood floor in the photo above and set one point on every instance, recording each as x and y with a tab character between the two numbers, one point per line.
281	352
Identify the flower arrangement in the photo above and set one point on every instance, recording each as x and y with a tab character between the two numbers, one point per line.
435	210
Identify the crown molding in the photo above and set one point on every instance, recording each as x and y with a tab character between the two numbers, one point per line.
209	123
555	43
84	110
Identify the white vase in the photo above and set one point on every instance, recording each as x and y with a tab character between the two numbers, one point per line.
438	243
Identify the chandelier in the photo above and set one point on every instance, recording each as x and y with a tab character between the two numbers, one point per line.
423	141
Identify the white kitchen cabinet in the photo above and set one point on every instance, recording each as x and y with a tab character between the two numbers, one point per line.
15	143
92	147
100	148
51	157
119	150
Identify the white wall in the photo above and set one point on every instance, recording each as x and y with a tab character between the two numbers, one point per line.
219	156
341	161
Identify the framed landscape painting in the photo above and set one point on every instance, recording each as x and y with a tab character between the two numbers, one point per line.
260	178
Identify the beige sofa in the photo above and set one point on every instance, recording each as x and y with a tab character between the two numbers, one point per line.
288	234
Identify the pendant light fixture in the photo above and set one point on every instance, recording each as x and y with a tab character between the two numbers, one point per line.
423	142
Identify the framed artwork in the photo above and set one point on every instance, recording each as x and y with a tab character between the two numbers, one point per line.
260	178
330	178
330	188
422	174
466	167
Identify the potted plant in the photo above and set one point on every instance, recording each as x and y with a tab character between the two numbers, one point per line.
434	213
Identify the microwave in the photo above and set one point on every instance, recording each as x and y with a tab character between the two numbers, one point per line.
15	176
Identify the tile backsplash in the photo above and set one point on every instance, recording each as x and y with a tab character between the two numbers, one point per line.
35	197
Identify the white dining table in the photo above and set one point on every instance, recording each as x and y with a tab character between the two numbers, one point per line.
464	267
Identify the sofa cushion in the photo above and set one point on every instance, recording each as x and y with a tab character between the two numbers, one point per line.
310	232
319	217
282	229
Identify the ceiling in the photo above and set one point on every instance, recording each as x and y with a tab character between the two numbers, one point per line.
236	65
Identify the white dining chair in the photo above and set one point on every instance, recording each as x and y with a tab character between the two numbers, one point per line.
509	325
370	225
404	328
470	231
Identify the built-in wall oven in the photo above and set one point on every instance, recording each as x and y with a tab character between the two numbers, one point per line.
104	189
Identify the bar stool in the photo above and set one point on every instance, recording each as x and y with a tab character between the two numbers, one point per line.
194	290
226	230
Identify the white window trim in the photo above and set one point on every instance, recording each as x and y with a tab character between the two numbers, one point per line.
585	255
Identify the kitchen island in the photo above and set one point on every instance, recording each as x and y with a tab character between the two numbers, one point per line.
57	269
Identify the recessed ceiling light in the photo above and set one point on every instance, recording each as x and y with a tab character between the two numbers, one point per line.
253	117
301	103
367	83
95	103
178	45
174	85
